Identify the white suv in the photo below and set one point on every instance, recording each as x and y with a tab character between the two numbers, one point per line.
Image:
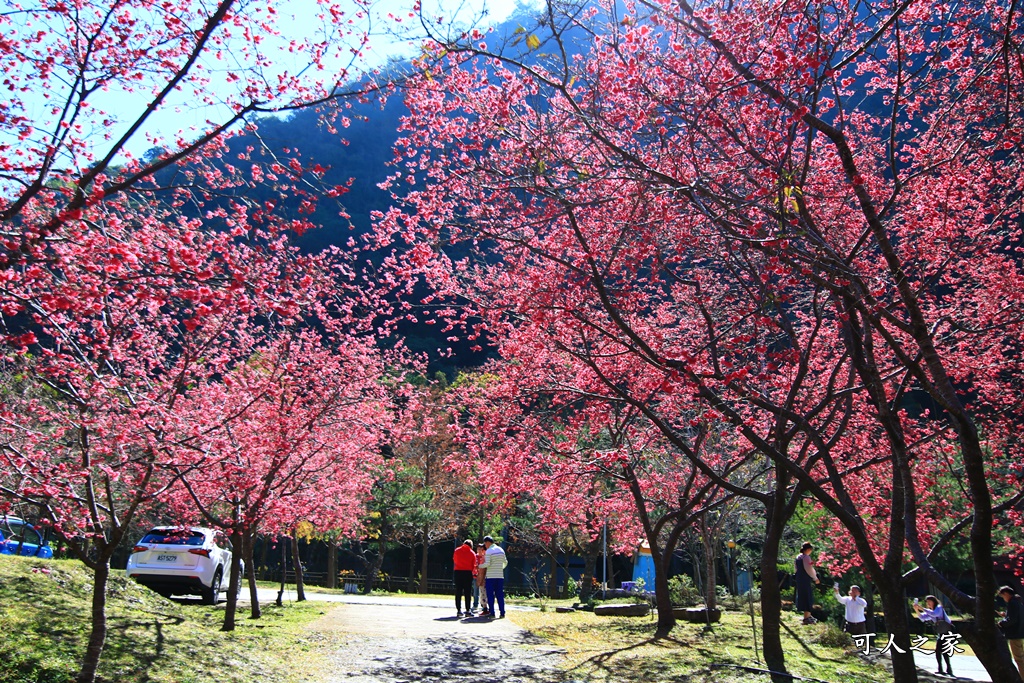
182	560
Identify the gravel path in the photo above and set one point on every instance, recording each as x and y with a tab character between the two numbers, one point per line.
268	595
392	644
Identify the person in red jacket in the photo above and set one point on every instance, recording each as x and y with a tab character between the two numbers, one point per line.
464	560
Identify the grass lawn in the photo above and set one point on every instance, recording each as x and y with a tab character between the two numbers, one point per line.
44	619
620	648
44	608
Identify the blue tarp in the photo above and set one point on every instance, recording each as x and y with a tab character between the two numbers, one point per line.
643	568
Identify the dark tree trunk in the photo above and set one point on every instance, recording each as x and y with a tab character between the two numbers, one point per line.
994	656
332	563
894	605
553	570
98	631
410	585
300	589
666	617
374	569
282	543
663	600
869	597
771	596
234	582
250	574
711	575
589	570
424	561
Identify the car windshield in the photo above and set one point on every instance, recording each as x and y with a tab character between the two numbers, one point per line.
174	537
14	529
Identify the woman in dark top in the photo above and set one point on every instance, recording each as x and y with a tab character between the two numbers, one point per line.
805	575
1013	626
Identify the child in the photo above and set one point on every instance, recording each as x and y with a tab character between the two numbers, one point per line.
481	576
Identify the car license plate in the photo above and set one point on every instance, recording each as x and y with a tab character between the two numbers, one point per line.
166	558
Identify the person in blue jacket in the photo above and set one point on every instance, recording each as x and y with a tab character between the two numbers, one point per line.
933	612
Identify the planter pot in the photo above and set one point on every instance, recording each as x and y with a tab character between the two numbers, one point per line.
623	610
698	615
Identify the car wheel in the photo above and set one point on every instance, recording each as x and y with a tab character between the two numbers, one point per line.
211	595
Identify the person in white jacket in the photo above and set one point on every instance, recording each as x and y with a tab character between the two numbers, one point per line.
856	622
494	564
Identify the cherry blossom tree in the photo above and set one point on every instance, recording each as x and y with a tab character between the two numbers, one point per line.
539	442
733	208
124	318
288	436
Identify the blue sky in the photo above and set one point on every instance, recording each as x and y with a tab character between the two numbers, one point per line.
187	115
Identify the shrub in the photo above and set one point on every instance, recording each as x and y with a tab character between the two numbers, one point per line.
835	609
572	588
833	636
682	591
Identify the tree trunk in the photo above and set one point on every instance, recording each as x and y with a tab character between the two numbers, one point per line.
894	604
589	571
332	562
98	632
250	573
771	597
666	617
297	565
374	568
994	655
424	560
553	570
410	584
282	543
711	575
868	593
698	578
235	580
662	597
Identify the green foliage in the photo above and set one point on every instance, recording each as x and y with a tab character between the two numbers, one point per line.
683	592
829	603
572	587
833	636
398	505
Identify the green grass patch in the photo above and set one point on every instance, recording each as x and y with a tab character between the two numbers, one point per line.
616	648
44	619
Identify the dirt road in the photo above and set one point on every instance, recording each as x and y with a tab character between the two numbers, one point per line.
398	644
